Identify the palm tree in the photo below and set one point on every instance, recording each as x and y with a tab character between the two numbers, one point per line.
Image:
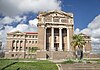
77	43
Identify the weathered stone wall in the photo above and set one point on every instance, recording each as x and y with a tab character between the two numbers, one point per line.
87	55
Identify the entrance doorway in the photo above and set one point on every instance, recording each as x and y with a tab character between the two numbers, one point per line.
56	46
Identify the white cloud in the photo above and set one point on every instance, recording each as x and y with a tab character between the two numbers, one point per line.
30	27
3	34
13	7
20	27
77	31
6	20
33	22
86	31
93	30
95	23
9	20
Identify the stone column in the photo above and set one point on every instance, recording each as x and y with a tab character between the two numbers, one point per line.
45	38
68	44
20	45
52	39
60	39
15	45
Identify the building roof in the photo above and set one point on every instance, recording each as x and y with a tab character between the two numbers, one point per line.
56	11
31	32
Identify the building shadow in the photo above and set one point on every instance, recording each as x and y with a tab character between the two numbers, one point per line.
9	66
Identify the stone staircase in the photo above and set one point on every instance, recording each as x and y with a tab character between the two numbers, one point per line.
54	55
81	66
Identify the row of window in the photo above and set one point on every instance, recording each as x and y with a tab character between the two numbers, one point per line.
29	36
32	42
19	55
15	55
17	48
20	48
17	35
63	20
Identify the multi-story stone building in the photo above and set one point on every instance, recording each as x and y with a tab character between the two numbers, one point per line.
19	44
55	31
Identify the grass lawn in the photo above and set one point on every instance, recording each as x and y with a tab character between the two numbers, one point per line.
37	65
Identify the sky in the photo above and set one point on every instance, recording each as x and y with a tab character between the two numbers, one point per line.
21	15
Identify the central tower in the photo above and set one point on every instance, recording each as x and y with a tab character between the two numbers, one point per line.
55	31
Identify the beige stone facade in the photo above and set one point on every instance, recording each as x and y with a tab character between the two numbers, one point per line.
20	43
55	31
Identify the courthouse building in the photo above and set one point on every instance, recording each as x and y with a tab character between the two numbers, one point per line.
55	31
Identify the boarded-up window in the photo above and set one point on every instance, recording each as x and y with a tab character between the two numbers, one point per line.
55	19
64	20
48	19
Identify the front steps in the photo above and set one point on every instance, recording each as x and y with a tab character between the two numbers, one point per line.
81	66
54	55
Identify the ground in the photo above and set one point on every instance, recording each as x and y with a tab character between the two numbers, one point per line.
6	64
32	64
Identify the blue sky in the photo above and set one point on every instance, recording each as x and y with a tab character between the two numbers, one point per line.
84	11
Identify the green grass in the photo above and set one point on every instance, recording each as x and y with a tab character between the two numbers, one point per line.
37	65
68	61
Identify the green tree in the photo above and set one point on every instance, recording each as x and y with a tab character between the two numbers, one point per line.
77	43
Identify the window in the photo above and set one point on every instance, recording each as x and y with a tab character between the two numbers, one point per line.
26	36
55	39
12	55
35	41
16	48
21	35
64	20
17	41
56	19
13	47
36	36
21	41
14	35
20	48
33	36
30	36
29	41
16	54
26	48
48	19
17	35
32	41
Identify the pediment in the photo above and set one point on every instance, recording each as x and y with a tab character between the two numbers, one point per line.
56	13
16	32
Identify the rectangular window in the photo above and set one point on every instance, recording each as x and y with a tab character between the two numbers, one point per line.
12	55
48	19
64	20
14	35
33	36
16	48
55	19
13	47
32	41
30	36
29	41
35	41
36	36
21	35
